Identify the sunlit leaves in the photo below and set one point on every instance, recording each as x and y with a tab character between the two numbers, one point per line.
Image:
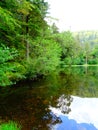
8	68
45	56
5	56
24	7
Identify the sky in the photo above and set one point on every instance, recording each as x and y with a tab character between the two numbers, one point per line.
75	15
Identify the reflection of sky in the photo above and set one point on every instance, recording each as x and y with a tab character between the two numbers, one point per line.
70	124
83	115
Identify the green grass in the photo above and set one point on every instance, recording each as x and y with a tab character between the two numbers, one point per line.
10	126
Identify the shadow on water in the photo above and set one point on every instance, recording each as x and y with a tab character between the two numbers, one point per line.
29	104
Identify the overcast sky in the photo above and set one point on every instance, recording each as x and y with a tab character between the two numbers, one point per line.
75	14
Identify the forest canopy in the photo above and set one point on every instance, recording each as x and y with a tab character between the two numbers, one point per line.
29	47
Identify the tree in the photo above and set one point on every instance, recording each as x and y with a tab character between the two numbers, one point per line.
54	29
69	47
94	55
87	52
19	28
46	56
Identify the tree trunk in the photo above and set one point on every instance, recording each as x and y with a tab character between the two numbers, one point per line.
27	50
27	42
86	59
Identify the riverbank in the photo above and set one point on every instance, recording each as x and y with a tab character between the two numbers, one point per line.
85	65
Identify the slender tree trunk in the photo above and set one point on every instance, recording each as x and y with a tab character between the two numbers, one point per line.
27	42
27	50
86	59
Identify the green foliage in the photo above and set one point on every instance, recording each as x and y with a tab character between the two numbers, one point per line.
24	7
10	126
4	66
9	70
68	46
21	22
7	21
46	57
54	29
30	47
88	43
42	7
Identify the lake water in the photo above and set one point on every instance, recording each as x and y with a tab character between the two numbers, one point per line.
68	101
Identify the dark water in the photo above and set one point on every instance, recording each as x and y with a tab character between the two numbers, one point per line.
68	101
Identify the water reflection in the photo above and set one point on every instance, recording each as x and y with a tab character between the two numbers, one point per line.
77	82
64	103
84	115
71	124
49	104
27	107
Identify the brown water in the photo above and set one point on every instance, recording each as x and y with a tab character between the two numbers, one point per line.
68	101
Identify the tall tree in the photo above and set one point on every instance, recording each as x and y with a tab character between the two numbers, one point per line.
69	47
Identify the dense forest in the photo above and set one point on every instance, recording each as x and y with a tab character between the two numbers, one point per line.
30	48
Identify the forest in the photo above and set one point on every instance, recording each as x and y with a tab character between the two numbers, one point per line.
30	47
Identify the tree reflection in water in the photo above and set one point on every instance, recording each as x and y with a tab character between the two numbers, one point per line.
28	108
64	103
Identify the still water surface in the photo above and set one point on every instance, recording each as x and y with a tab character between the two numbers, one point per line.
68	101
